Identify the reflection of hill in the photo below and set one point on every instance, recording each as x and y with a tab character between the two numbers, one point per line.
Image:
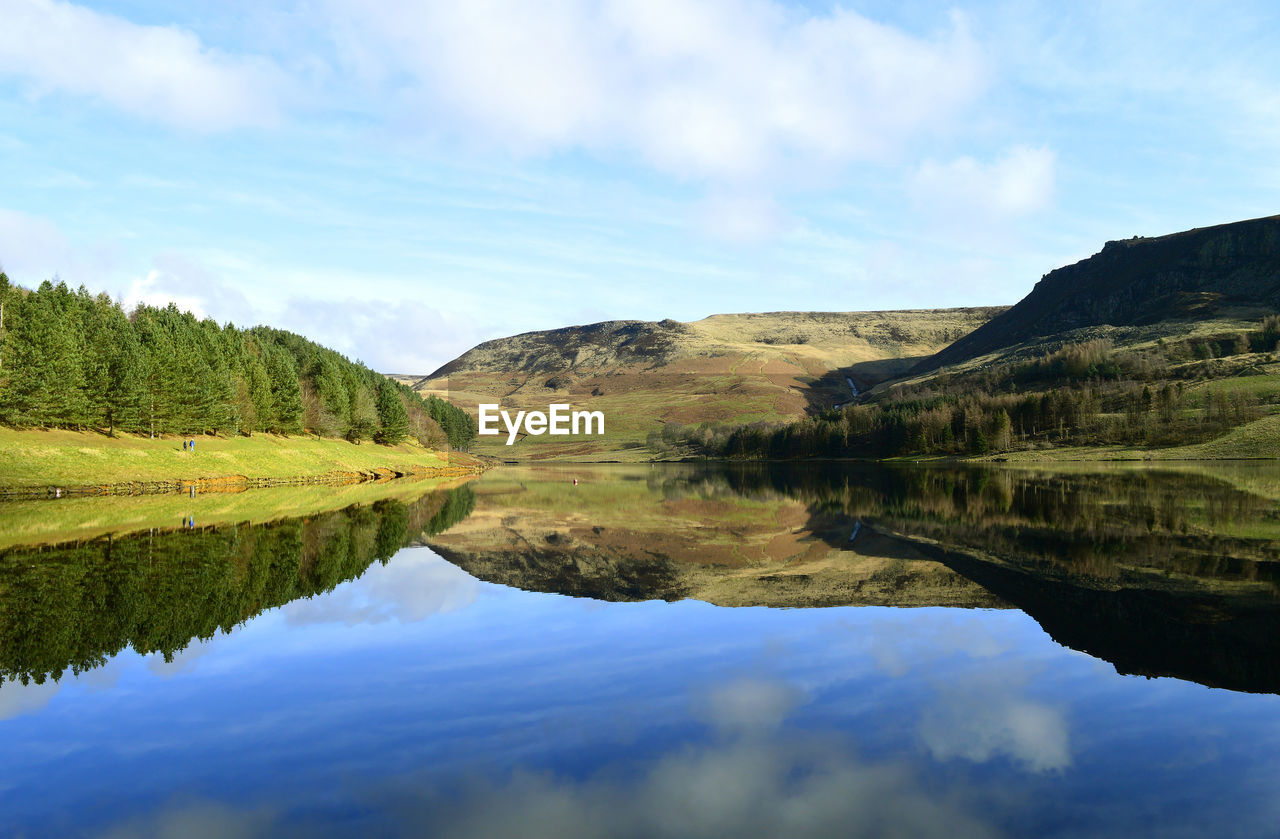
77	604
1220	640
625	534
1158	572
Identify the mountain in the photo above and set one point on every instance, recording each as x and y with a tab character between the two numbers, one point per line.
1229	271
730	369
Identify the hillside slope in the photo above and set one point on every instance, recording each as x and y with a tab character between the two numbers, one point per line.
1224	272
730	369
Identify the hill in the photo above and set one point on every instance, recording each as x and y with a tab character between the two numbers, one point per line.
651	377
1153	286
1158	347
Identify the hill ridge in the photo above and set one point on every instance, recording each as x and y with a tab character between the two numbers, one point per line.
1190	274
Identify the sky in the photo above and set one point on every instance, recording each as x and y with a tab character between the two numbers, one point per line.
402	179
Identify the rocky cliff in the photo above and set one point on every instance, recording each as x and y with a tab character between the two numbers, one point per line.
1196	274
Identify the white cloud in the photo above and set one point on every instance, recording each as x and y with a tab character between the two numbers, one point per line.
17	699
161	73
176	279
182	661
728	90
195	820
1019	182
978	722
798	787
794	787
749	704
417	585
741	219
404	336
35	248
26	245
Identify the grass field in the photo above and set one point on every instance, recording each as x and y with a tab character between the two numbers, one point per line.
31	458
44	522
1257	440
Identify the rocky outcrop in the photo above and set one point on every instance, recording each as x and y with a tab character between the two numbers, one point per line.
1183	276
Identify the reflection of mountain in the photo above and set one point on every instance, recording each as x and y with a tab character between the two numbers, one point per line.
77	604
625	534
1229	640
1160	573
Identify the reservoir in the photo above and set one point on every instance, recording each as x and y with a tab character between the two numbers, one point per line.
655	650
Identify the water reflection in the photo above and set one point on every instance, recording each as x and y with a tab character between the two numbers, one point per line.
752	774
411	698
74	606
1159	572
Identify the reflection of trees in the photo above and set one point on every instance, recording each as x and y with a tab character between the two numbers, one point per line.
1083	524
76	605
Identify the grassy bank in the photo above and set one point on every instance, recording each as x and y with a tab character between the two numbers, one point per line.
33	458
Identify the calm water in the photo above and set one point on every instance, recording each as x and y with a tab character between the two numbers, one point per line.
673	651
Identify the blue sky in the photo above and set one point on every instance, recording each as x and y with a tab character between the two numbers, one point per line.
402	180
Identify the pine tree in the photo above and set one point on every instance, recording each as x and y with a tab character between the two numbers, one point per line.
96	354
46	384
392	415
125	392
364	412
286	393
331	414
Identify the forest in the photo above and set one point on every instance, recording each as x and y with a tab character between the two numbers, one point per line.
71	359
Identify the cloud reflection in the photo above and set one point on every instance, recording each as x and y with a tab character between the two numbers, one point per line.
748	704
415	585
758	778
774	787
198	820
17	699
980	721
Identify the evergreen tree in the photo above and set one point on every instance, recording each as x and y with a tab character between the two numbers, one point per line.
72	359
46	383
331	412
286	393
392	416
125	393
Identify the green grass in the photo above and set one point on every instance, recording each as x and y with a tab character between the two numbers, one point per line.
30	458
45	522
1265	387
1257	440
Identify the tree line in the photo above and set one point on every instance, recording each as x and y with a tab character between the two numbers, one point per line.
71	359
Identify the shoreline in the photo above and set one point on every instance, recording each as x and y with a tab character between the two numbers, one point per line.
233	483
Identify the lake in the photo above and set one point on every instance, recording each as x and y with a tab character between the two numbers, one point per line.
639	651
